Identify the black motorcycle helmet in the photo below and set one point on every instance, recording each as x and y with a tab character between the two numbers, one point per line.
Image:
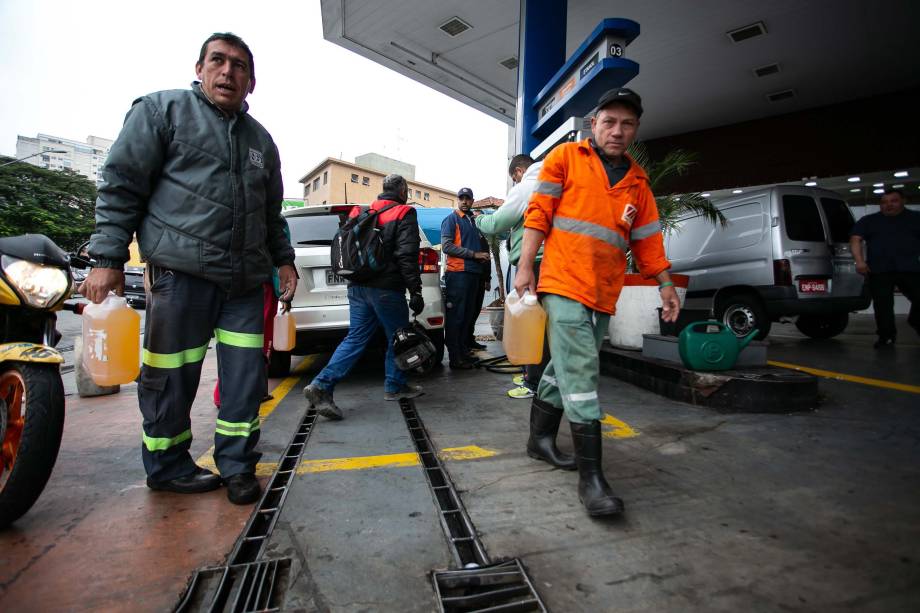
412	348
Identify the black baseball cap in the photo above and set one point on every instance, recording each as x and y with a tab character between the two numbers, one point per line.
621	95
465	191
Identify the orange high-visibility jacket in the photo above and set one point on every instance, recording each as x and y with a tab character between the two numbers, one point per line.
589	225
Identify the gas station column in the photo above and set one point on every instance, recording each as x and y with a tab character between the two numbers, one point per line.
541	53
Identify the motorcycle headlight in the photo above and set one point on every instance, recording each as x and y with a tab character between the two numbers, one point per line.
40	285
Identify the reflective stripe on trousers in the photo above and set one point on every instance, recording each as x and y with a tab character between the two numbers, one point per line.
183	312
575	336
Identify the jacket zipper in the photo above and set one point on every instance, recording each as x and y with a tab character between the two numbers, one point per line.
233	188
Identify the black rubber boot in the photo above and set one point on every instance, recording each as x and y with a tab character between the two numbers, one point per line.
243	488
544	425
593	490
198	482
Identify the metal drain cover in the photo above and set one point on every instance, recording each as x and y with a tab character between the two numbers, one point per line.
503	586
244	588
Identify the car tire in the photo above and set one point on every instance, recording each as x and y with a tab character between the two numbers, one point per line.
822	326
279	364
742	313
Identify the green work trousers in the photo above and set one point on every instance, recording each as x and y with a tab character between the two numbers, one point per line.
575	336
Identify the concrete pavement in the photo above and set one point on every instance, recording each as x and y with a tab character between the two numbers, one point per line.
810	511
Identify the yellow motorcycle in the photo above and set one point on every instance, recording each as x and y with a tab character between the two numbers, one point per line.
35	279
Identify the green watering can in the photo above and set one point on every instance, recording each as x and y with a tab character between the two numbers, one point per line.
710	345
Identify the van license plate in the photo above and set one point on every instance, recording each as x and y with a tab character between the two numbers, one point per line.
334	279
813	286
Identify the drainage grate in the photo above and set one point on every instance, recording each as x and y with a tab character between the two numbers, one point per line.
481	585
252	541
245	576
504	586
245	588
461	535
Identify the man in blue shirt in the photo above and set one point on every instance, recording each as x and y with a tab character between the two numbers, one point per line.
893	240
466	262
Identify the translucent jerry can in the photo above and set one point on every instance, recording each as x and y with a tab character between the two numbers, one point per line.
111	341
284	334
525	324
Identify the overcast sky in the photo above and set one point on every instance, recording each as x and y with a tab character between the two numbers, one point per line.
72	68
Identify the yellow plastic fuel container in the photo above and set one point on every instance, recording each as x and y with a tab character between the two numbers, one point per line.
524	326
284	333
111	341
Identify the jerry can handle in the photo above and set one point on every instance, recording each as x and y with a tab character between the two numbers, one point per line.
703	326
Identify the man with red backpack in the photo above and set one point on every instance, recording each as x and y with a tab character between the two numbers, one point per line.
379	300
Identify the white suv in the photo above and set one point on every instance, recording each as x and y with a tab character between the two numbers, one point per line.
320	304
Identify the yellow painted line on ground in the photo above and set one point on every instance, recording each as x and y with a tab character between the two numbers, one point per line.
470	452
827	374
281	390
619	429
390	460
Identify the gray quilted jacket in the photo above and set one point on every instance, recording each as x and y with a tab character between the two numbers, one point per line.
202	191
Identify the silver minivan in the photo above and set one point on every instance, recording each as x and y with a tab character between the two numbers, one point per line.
784	252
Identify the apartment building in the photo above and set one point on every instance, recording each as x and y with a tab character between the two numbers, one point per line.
335	181
85	158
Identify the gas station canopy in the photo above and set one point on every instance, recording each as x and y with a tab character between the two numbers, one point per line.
703	65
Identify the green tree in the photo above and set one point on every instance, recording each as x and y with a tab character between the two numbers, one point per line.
58	204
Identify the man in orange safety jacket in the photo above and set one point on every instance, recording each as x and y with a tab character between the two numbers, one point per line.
592	203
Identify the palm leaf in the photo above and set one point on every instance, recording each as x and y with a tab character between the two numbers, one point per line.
671	206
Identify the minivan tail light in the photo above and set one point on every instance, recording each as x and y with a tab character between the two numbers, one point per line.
782	272
428	260
435	321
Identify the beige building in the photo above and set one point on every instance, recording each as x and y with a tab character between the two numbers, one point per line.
85	158
336	181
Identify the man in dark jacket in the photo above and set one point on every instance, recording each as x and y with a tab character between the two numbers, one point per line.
199	181
893	239
479	299
466	262
378	301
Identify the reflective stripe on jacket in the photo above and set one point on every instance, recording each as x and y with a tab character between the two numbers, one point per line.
589	226
460	240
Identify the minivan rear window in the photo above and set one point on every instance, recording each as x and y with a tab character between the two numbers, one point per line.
313	229
839	219
803	222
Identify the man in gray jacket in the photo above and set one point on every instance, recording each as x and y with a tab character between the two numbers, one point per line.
199	181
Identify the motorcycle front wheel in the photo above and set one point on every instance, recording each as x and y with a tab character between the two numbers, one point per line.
31	425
